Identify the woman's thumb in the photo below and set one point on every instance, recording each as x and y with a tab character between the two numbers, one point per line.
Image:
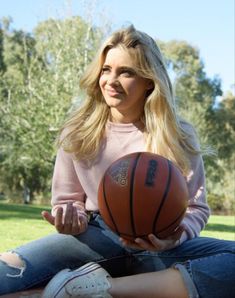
48	217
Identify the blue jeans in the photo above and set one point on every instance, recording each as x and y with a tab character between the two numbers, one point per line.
207	265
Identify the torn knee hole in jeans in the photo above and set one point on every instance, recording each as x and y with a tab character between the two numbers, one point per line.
13	260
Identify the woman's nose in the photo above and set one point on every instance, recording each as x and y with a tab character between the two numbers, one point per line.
113	80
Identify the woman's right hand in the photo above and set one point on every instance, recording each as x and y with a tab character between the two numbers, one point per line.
155	244
68	221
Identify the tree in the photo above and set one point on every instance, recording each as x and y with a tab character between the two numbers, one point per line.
222	132
17	50
196	98
39	86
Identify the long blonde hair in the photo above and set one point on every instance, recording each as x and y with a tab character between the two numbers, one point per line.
165	134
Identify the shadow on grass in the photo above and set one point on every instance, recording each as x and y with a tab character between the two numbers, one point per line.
220	228
8	211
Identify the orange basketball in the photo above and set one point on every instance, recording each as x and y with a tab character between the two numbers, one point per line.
142	193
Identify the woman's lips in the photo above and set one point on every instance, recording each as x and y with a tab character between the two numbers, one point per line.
113	92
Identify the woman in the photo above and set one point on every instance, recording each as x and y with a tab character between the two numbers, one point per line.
129	107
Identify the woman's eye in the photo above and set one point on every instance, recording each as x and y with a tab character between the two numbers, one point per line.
128	73
105	69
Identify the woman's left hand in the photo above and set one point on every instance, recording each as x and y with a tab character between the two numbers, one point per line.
153	243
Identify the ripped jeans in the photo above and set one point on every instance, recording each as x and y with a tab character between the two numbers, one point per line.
207	265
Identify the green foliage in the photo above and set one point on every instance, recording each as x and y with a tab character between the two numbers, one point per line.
195	92
216	202
38	85
196	98
221	170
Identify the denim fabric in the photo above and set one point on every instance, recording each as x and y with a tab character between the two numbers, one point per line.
209	263
192	291
214	276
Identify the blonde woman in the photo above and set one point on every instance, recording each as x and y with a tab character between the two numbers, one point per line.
129	107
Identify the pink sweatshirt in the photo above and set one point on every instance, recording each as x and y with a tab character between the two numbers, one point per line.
74	181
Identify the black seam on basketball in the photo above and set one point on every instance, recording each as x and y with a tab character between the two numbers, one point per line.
163	197
131	194
172	223
109	211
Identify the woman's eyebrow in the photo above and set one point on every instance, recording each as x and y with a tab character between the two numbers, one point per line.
106	65
127	68
120	68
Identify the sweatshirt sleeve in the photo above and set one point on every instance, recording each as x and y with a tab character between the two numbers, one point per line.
66	186
198	211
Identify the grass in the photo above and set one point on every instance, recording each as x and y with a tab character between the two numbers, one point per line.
220	226
22	223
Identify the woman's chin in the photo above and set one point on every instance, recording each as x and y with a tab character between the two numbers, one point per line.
114	102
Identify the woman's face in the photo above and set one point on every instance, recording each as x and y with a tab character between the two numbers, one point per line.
123	90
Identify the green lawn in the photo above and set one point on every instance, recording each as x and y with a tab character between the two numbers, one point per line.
22	223
220	226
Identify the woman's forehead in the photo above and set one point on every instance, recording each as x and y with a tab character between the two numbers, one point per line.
120	55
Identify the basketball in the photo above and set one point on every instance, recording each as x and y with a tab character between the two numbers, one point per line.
142	193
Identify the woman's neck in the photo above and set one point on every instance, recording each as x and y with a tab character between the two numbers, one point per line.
117	117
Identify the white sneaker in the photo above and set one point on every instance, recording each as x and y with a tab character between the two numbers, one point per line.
89	280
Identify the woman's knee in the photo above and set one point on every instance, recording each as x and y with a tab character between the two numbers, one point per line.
12	259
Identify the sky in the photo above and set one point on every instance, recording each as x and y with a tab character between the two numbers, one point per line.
207	24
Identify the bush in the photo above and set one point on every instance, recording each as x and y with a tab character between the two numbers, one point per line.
220	204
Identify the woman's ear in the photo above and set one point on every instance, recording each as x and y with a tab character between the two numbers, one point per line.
150	85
